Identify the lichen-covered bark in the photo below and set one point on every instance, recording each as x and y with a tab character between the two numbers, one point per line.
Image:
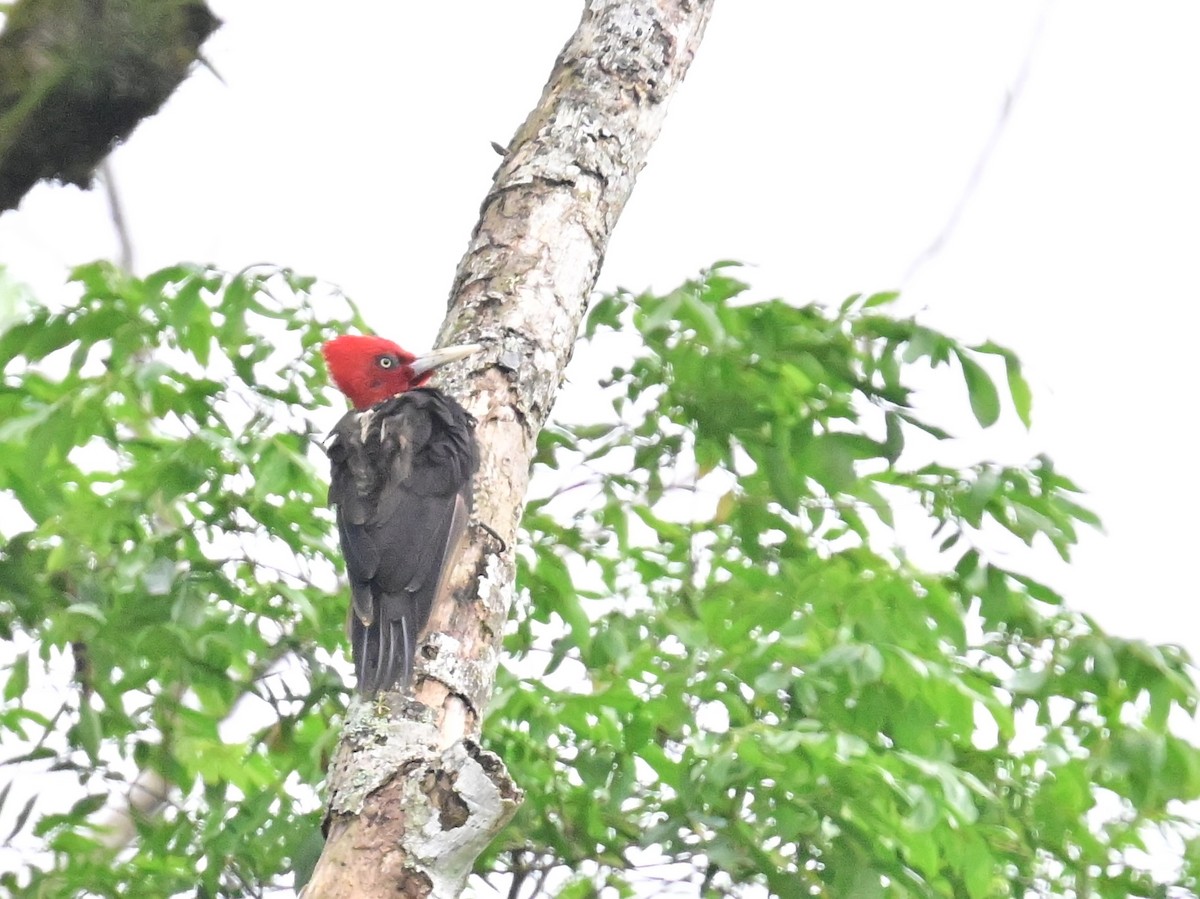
521	290
76	76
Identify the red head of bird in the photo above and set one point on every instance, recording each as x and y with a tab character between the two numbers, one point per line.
369	370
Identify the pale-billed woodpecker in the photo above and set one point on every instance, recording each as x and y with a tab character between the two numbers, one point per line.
402	461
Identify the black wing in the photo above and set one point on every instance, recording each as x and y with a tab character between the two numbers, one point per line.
401	481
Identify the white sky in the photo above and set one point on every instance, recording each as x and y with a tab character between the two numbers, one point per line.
826	142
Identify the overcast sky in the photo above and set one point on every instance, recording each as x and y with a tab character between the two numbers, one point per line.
827	143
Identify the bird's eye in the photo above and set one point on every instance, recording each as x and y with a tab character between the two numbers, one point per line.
386	361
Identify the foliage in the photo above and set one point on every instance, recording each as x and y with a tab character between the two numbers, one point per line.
767	692
174	551
742	681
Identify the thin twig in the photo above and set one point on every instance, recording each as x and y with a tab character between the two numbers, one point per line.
116	211
985	156
520	870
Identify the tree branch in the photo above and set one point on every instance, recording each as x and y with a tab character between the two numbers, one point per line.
413	799
76	78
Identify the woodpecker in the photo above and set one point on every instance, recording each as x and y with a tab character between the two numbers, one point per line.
401	466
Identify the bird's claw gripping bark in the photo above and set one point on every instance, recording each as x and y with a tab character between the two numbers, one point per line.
492	531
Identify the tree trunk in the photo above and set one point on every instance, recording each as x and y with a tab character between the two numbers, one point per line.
413	798
76	78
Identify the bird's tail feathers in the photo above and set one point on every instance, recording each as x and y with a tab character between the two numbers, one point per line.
385	649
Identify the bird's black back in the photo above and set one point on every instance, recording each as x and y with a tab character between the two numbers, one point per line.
401	481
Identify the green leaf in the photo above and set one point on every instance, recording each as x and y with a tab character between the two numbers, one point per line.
979	868
18	678
1018	387
893	445
88	732
985	401
22	817
881	299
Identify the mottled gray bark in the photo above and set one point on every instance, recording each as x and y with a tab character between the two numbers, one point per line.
76	77
413	800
